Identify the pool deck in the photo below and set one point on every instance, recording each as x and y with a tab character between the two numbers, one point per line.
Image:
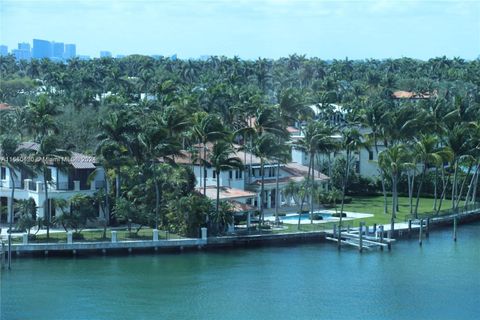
350	216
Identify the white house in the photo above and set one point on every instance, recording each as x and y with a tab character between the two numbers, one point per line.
65	183
244	186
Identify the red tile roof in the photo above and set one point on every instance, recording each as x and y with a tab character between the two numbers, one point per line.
226	193
77	160
400	94
4	106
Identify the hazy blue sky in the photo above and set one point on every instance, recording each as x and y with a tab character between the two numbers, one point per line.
250	29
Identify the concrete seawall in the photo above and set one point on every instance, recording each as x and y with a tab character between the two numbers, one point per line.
214	242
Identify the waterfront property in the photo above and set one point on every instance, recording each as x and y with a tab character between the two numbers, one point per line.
244	185
80	174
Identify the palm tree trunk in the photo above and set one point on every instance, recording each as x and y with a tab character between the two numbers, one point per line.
394	211
470	186
107	199
204	168
10	225
46	208
217	204
303	200
384	191
420	189
435	195
454	184
312	156
157	202
117	183
444	190
463	185
411	185
262	190
344	186
277	193
475	184
344	190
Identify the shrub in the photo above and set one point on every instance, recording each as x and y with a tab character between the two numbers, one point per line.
337	215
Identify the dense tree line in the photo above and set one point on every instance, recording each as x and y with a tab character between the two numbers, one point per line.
133	112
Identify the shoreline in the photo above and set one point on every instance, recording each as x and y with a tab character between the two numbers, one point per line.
86	249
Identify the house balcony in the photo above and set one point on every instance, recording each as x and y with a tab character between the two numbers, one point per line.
38	186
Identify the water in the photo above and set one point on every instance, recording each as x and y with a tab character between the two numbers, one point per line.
306	216
440	280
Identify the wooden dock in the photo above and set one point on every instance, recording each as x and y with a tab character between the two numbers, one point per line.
361	239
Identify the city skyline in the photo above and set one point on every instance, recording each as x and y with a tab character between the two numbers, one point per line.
251	29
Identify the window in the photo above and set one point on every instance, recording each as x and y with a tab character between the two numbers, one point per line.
238	174
230	174
4	173
370	155
214	174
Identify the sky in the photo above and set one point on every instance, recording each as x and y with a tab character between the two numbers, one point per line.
250	29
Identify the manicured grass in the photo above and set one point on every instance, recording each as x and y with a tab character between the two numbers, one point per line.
375	206
97	235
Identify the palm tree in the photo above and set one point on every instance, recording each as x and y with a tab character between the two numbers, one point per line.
206	128
427	153
393	160
49	150
12	150
265	148
116	129
317	138
41	120
220	160
351	142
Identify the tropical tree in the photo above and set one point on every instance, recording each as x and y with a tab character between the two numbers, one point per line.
48	150
221	159
393	160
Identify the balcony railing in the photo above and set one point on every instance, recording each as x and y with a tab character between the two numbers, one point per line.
32	186
7	184
63	186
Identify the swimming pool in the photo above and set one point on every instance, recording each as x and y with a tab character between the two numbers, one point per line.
306	216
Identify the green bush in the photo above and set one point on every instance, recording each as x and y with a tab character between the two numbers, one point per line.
337	215
77	236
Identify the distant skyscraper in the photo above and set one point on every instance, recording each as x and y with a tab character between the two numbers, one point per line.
24	46
3	50
41	49
70	51
58	49
23	52
105	54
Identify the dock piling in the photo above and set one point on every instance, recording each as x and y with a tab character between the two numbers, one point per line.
427	228
420	230
409	227
360	247
455	229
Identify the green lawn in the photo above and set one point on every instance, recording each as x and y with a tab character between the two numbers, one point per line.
373	205
97	235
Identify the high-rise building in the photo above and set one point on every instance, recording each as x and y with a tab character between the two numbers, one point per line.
105	54
41	49
23	52
24	46
3	50
58	49
70	51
